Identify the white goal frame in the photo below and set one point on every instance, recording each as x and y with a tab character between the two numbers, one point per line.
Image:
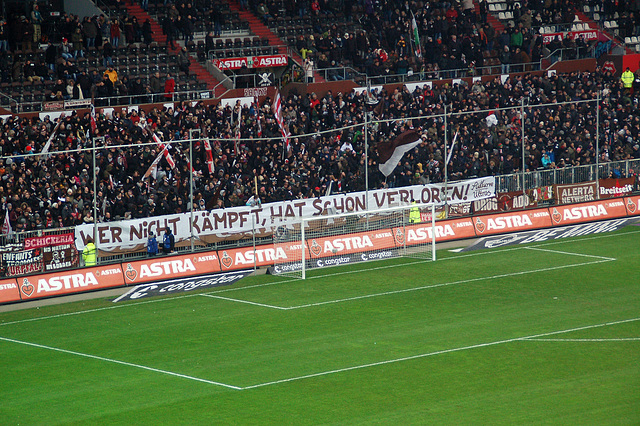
386	231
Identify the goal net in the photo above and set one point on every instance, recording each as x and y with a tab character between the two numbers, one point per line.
342	239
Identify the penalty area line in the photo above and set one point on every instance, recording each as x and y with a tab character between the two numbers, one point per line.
510	274
571	254
115	361
213	296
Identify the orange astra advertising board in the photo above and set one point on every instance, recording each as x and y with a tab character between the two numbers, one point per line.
9	291
69	282
588	212
164	268
511	222
351	243
263	255
457	229
632	205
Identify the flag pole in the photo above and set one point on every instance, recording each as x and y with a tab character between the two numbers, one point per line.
366	159
446	194
95	193
191	132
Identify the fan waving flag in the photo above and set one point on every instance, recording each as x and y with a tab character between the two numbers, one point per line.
416	36
391	152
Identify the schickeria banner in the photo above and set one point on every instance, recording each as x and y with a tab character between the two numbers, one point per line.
122	235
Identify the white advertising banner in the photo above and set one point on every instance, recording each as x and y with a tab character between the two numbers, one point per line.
113	236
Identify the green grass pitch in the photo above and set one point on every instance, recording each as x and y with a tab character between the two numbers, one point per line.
545	333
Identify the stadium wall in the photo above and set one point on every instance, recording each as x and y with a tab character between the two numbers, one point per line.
163	268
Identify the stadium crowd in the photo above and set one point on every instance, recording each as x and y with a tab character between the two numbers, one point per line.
454	36
56	190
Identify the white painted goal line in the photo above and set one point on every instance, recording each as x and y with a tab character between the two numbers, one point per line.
178	297
533	337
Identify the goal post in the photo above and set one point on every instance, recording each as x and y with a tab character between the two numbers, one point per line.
353	237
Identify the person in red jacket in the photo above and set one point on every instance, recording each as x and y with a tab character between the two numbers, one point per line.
169	87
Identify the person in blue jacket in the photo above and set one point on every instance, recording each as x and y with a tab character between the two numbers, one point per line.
152	245
168	241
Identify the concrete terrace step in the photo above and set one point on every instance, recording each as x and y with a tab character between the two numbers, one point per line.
196	68
261	30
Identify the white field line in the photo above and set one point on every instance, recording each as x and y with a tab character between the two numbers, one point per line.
88	311
444	351
569	253
484	253
115	361
244	301
406	290
621	339
323	373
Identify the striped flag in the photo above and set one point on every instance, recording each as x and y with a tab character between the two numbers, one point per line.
153	168
165	150
47	145
257	114
6	225
416	36
277	111
209	154
453	144
391	152
94	125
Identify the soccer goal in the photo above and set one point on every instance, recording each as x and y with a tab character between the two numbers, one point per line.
342	239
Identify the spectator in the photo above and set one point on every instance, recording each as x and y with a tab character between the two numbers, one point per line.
114	33
89	253
169	87
168	241
152	245
78	43
66	50
107	54
90	31
184	60
155	86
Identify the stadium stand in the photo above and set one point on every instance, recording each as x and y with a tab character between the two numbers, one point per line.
50	192
56	191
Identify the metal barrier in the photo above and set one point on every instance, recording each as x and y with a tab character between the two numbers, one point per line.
567	175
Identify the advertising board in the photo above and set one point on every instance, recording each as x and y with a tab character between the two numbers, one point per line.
9	291
183	285
162	268
509	222
587	212
68	282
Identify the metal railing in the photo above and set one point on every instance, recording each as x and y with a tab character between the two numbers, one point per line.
567	175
